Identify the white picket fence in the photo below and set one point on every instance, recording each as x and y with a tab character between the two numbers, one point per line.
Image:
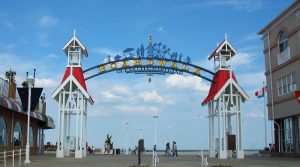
8	156
204	162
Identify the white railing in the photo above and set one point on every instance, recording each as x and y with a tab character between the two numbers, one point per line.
3	87
204	162
155	159
283	56
10	155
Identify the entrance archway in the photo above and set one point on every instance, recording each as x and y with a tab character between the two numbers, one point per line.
224	99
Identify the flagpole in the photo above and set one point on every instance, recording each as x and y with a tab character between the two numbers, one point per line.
265	114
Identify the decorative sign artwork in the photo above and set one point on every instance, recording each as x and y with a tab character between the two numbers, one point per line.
156	58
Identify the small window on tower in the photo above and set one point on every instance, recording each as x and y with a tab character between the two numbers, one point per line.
74	58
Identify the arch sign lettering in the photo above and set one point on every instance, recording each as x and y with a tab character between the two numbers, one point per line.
156	58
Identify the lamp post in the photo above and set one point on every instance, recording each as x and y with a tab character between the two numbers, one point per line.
154	158
126	127
155	117
141	132
30	83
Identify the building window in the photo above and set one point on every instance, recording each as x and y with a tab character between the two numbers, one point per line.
286	84
284	50
31	136
18	134
283	41
3	136
287	135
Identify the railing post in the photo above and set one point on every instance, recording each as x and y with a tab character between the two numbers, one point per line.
4	157
20	156
13	158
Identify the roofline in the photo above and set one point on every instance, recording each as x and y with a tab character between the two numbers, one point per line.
262	31
219	47
85	52
62	85
243	93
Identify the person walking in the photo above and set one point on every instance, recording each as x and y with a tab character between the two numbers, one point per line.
167	152
174	148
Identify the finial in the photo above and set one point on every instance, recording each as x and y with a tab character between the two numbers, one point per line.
74	33
225	36
218	44
150	40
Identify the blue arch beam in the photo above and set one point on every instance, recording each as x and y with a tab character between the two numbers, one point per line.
146	65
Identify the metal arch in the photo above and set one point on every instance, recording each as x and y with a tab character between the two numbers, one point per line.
165	70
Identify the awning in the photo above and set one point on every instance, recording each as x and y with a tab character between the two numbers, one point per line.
16	106
11	104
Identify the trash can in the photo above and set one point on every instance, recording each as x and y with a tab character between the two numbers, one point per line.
118	151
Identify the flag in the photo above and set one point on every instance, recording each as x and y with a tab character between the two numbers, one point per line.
260	93
297	94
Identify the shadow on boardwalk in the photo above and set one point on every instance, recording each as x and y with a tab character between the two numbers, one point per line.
49	160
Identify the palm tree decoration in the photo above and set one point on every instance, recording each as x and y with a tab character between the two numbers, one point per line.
109	142
10	75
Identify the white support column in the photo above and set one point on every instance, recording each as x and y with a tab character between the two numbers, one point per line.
221	152
65	131
59	152
210	139
81	128
62	126
77	149
79	134
225	149
85	128
219	128
240	150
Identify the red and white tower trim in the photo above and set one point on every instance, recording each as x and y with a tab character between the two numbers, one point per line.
224	102
72	97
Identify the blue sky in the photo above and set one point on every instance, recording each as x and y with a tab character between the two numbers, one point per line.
32	34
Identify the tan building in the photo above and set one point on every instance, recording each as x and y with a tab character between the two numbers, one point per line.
13	120
282	61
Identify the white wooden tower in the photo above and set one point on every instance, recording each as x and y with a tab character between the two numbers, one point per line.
224	102
72	97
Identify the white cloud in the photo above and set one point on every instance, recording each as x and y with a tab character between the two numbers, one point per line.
250	37
242	59
109	95
244	5
52	56
8	47
46	83
252	114
15	62
134	109
116	92
42	39
47	20
252	80
161	29
241	5
153	96
186	82
9	25
106	51
98	113
121	90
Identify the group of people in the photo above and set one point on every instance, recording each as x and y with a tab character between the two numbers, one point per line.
173	152
90	150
